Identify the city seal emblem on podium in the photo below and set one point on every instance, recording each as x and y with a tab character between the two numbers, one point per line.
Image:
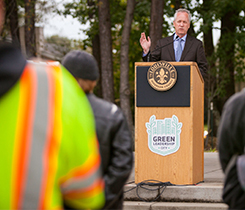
164	135
162	76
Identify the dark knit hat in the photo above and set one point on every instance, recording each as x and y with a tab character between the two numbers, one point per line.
81	65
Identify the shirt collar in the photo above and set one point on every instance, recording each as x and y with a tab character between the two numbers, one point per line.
183	38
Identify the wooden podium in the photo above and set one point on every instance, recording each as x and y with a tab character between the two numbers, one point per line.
184	102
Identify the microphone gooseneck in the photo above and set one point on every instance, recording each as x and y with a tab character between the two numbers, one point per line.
148	56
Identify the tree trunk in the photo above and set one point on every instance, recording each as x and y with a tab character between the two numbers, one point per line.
156	23
229	27
124	61
106	50
210	80
96	54
177	4
12	15
95	48
227	55
30	41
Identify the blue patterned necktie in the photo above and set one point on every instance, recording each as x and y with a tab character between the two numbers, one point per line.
178	51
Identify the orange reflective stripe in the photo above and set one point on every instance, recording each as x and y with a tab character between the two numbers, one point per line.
94	188
23	134
54	135
90	166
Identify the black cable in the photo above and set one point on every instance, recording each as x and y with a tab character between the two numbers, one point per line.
129	189
161	187
151	182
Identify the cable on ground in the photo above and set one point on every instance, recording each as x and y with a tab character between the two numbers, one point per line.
151	182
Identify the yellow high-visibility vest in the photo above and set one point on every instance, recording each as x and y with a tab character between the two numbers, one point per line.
48	147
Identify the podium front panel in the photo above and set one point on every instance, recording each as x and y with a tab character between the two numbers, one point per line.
186	164
177	96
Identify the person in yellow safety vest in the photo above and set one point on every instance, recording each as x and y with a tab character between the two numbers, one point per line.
44	162
44	114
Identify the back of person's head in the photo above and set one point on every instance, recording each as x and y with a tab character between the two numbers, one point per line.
81	65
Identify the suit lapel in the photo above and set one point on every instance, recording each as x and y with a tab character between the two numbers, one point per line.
171	48
188	45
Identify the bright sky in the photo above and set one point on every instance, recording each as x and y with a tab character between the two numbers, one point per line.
66	27
55	24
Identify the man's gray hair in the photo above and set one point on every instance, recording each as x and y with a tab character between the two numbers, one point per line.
182	10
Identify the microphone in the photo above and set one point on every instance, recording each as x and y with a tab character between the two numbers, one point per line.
148	56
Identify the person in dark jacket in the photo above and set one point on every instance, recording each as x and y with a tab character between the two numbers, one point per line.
231	142
112	130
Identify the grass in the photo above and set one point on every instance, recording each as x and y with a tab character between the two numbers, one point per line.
211	150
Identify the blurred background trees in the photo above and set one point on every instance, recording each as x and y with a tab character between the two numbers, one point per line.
113	38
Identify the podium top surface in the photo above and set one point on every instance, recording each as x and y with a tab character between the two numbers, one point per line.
182	63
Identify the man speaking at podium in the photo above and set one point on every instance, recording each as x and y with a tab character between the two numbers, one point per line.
178	47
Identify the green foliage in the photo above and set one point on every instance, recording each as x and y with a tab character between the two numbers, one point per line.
230	49
204	12
223	7
239	59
